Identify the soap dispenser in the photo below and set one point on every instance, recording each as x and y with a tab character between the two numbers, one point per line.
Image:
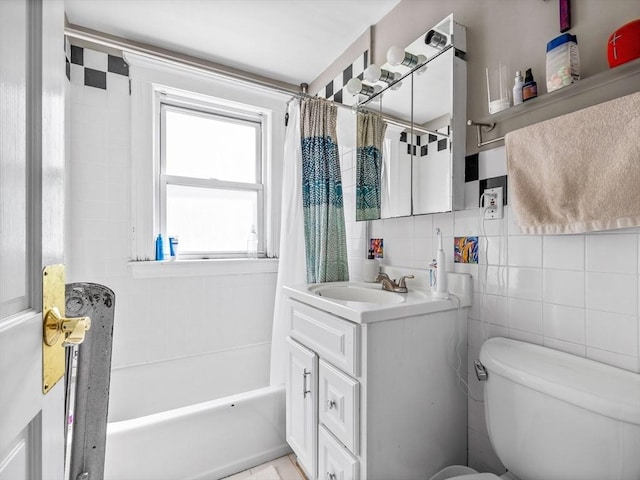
441	274
370	268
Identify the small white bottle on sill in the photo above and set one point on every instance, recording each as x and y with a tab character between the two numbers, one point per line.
370	268
252	243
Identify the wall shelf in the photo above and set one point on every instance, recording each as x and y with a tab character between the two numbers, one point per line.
599	80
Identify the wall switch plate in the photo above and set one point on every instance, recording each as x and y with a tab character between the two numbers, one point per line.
492	202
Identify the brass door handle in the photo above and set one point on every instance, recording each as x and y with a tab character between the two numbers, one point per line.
58	331
56	325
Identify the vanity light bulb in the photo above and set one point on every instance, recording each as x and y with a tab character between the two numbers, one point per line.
436	40
395	55
372	73
354	86
398	56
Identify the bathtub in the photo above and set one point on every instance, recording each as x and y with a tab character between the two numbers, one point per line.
178	420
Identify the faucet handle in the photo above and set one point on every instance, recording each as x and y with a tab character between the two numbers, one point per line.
402	283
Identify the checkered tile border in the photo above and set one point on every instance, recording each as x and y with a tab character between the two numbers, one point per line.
335	89
423	144
96	69
482	171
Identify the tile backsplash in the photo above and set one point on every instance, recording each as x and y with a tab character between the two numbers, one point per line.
575	293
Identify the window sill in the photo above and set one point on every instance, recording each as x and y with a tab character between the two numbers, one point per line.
202	267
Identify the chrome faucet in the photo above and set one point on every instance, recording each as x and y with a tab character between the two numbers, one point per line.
392	285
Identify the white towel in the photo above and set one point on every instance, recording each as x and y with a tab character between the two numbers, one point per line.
579	172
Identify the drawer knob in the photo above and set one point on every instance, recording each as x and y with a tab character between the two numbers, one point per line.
331	476
331	404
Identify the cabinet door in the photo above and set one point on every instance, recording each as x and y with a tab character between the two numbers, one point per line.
302	405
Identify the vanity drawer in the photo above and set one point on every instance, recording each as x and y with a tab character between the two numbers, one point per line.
334	461
332	338
339	405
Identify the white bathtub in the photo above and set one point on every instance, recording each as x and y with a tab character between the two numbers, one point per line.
198	439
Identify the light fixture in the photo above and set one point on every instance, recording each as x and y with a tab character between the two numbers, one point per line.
355	86
397	56
373	73
435	39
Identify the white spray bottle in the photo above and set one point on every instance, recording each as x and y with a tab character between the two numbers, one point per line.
441	273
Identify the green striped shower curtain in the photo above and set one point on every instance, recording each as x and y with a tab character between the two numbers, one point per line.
322	201
370	137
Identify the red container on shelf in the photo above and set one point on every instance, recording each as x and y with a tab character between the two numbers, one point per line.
624	44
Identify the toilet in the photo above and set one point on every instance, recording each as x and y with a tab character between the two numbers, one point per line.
555	416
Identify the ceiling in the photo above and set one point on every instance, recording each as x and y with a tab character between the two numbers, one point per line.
292	41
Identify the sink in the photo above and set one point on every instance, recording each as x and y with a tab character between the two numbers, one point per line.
356	293
361	302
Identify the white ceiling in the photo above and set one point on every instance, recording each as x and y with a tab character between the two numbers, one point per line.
293	41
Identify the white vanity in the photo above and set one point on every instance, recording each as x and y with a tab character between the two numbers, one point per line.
372	387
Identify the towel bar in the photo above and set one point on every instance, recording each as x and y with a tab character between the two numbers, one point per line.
487	128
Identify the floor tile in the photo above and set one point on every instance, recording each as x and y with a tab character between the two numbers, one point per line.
286	467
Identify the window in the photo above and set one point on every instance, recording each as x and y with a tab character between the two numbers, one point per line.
210	178
206	188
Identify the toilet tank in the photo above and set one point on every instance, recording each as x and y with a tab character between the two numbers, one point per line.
556	416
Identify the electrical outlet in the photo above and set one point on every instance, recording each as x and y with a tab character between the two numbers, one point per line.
493	203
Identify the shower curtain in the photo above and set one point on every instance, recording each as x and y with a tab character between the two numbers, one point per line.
371	130
324	226
291	269
321	179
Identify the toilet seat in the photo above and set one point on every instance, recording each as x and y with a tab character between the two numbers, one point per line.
477	476
460	472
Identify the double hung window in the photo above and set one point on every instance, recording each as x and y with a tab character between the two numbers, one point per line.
211	188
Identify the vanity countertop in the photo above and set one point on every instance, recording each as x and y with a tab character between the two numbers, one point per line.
329	298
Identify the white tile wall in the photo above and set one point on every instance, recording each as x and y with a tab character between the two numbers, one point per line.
575	293
156	319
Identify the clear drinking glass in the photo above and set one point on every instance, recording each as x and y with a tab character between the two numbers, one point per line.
498	87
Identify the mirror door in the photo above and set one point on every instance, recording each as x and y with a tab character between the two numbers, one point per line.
421	94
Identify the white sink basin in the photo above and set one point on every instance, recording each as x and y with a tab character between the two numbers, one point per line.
356	293
366	302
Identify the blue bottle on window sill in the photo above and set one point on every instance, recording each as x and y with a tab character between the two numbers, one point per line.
159	248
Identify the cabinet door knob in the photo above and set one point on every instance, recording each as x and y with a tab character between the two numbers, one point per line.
331	476
331	404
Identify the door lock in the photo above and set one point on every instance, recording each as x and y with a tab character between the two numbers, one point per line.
56	325
58	331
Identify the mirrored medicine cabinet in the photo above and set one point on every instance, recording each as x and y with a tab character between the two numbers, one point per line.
424	107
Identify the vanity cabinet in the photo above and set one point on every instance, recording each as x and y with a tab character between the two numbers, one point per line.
375	400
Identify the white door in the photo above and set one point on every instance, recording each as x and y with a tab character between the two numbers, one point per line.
302	404
32	92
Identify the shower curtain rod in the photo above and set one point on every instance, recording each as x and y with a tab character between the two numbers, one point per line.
122	44
387	118
118	43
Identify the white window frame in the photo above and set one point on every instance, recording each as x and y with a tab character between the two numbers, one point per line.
208	110
151	78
